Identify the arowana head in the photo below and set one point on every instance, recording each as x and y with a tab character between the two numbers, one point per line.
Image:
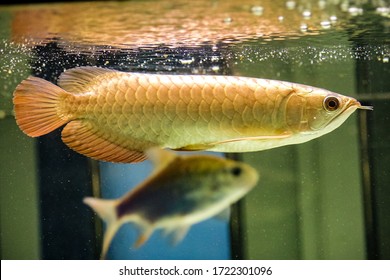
318	111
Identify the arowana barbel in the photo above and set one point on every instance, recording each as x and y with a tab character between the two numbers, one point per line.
115	116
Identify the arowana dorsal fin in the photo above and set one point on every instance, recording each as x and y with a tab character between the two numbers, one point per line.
80	79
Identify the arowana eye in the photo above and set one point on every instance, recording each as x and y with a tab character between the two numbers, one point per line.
331	103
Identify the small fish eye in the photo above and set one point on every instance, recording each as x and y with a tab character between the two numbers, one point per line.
331	103
236	171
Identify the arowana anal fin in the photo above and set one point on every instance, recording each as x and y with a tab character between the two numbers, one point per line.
84	139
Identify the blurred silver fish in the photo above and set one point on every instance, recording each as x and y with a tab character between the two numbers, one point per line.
182	191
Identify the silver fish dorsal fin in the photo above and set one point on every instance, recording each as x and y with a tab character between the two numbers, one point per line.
160	158
79	80
224	215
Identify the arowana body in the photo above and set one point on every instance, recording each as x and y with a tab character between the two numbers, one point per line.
115	116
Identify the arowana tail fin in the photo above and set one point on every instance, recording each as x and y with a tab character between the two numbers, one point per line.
107	211
35	104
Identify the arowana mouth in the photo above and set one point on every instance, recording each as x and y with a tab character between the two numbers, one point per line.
354	103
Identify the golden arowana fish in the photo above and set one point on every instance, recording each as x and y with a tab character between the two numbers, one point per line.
115	116
182	191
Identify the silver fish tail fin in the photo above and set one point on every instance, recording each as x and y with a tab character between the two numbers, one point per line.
107	211
36	104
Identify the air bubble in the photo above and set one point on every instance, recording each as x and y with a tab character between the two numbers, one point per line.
215	68
3	114
344	6
187	61
355	11
257	10
306	14
322	4
227	20
383	11
325	24
290	5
